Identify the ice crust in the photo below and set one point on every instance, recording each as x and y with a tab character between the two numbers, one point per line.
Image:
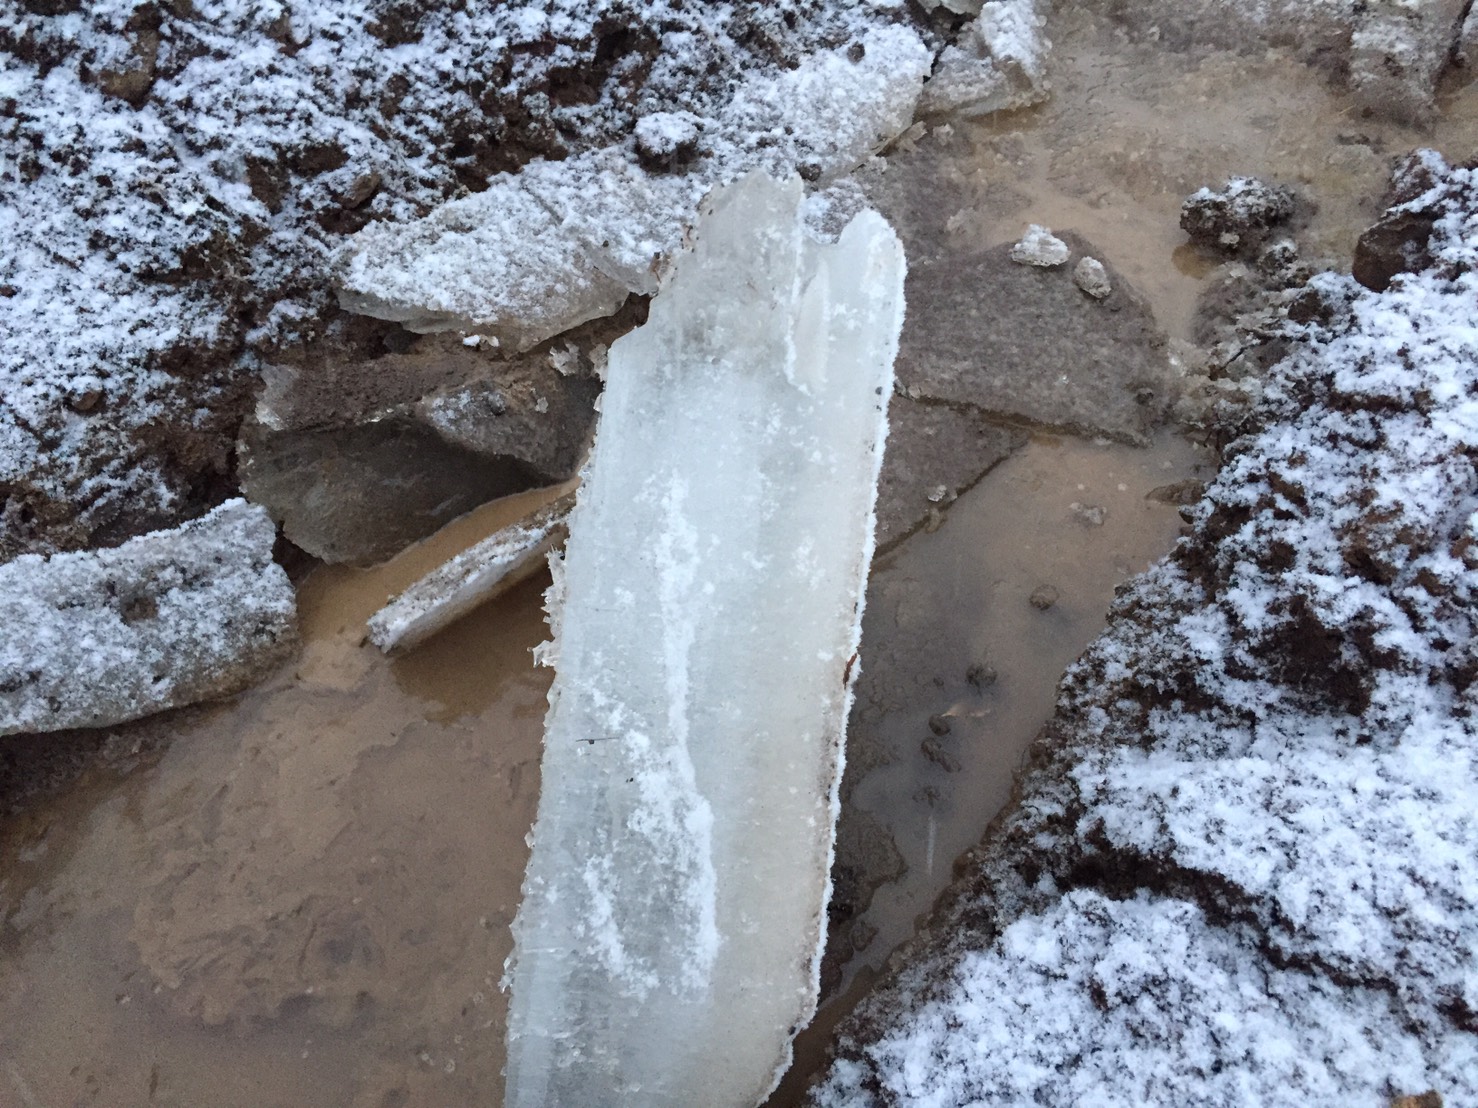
999	63
706	617
166	619
565	241
475	576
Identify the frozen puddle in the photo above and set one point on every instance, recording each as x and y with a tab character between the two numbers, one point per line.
705	620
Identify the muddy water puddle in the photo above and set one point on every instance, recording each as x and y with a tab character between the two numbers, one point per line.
966	634
306	900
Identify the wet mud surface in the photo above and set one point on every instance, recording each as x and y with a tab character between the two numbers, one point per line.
305	898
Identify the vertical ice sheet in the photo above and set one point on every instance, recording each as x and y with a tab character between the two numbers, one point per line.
668	942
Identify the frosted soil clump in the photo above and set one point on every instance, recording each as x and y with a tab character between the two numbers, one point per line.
1239	216
565	241
177	178
1243	849
164	620
705	619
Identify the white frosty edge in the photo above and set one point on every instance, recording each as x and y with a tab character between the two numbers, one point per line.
564	242
477	575
166	619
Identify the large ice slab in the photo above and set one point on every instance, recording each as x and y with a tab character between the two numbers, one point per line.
166	619
564	241
668	943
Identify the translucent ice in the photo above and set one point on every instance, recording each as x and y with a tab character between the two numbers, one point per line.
706	620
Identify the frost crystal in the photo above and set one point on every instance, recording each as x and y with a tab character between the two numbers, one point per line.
712	593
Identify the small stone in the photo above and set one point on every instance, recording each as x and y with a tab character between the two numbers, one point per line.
937	494
1043	597
1429	1099
135	78
1184	492
939	725
1089	515
1039	247
981	675
1090	276
361	191
940	757
85	401
665	139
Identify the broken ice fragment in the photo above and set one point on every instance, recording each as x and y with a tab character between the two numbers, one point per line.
166	619
705	617
477	575
1040	247
998	63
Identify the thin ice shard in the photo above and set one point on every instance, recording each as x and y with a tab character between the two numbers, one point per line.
475	576
669	938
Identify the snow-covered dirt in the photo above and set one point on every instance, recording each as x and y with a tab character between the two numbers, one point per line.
175	179
1239	867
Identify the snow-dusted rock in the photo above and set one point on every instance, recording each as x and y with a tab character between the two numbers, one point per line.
166	619
999	63
705	616
1039	246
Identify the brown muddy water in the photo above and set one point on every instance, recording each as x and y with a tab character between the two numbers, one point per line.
302	896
